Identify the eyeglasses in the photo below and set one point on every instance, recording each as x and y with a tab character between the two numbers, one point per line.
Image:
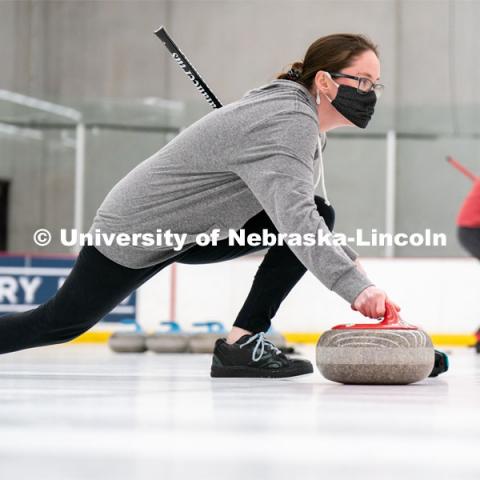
364	86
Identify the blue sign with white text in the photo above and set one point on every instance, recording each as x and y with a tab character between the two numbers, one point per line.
27	281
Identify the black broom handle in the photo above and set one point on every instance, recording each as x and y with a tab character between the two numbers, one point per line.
183	62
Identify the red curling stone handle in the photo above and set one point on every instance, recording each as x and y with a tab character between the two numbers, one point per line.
391	321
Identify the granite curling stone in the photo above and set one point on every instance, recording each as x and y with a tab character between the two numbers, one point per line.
173	341
391	352
128	342
277	339
205	342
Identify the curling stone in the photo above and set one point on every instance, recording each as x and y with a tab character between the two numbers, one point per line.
276	338
205	342
391	352
172	341
128	342
279	341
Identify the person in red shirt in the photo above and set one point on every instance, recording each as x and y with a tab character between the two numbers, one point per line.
468	221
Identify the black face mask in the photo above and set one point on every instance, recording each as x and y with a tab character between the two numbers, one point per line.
356	107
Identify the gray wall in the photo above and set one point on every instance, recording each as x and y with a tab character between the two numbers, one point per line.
102	57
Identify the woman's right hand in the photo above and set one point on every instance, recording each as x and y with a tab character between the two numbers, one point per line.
371	302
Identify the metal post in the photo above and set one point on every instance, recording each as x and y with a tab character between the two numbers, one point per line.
79	181
390	187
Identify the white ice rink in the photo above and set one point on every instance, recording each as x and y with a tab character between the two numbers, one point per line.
82	412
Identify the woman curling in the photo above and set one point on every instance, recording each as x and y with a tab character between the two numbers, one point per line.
252	164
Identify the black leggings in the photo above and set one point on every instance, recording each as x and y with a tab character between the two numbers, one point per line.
470	240
96	285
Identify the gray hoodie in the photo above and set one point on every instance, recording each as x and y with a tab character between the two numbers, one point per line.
259	152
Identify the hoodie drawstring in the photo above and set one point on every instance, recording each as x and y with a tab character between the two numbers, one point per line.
321	172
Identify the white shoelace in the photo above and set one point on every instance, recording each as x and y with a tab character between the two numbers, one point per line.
262	342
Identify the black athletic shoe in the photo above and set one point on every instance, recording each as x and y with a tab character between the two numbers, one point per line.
440	365
254	356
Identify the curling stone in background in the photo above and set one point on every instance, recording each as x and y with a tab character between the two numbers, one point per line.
391	352
278	340
205	342
128	341
171	341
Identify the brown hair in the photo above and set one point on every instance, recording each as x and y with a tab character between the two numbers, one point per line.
330	53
